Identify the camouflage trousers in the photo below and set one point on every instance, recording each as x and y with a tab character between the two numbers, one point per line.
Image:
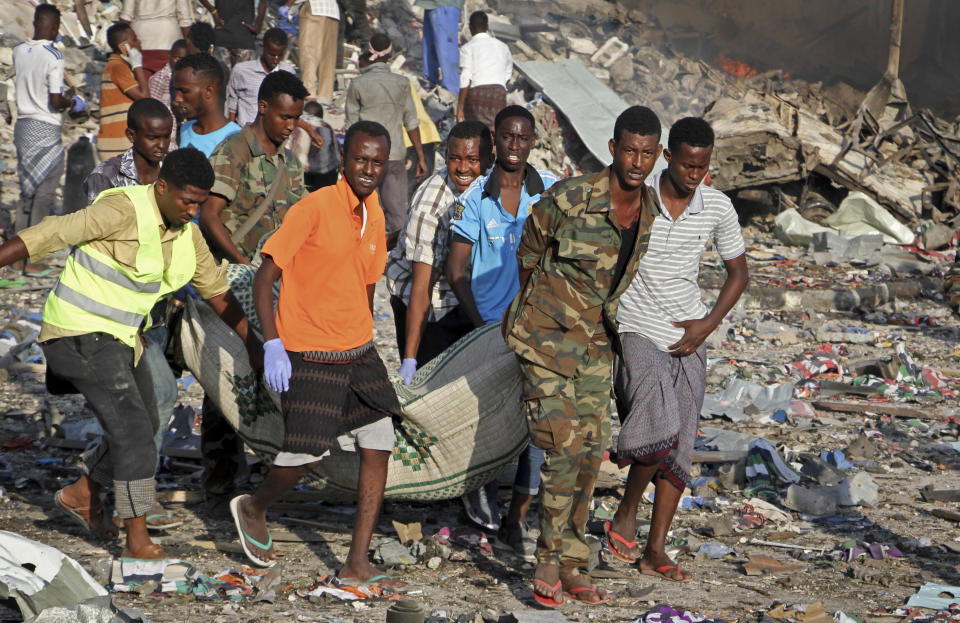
569	418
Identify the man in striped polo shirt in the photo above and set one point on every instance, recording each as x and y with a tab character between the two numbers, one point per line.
660	376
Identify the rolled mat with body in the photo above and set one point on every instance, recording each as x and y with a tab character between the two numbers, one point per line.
463	418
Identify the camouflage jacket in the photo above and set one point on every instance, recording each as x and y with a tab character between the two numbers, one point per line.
243	175
951	286
571	242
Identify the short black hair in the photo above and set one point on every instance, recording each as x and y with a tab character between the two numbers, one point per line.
479	21
275	36
178	44
45	12
379	41
370	128
203	65
187	166
201	35
281	81
693	131
474	129
313	108
513	111
637	120
115	35
146	108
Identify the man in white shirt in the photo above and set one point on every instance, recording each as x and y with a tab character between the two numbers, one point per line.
485	68
660	376
319	24
247	77
37	133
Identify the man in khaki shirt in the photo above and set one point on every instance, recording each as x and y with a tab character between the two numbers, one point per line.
99	364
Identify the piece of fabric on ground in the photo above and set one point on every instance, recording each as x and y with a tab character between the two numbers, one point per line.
463	422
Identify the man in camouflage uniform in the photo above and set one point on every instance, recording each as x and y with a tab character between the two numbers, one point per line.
579	250
247	165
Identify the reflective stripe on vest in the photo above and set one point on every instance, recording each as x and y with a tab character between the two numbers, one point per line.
95	293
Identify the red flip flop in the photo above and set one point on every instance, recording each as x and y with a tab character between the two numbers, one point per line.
630	545
579	590
549	602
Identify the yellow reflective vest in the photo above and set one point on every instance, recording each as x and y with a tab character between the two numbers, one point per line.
97	294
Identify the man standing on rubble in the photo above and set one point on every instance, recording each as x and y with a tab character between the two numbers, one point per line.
380	95
256	178
426	312
133	246
37	133
486	66
149	128
660	376
330	252
485	233
578	253
123	82
441	42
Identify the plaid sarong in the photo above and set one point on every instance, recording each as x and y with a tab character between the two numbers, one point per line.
484	102
39	152
659	397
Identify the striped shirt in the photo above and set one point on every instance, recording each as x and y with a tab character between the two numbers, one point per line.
425	241
117	79
665	287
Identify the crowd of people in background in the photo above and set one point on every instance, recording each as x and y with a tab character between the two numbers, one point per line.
593	278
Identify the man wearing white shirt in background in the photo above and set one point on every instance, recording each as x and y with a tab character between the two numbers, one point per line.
485	68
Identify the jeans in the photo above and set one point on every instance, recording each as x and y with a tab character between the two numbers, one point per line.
529	463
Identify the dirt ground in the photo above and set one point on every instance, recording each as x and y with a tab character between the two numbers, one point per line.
470	582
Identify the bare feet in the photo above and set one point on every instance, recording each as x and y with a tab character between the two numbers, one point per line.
546	583
80	501
252	524
139	544
660	565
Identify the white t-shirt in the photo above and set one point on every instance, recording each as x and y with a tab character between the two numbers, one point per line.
485	60
665	288
39	69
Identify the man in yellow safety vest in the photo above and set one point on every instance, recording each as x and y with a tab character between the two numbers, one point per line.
133	245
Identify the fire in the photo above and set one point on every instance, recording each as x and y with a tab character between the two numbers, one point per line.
735	68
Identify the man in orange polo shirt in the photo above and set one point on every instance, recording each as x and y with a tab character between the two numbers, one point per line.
335	392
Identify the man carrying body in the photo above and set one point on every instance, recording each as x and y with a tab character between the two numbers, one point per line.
123	82
133	246
330	252
247	165
238	22
198	83
425	310
486	231
660	378
242	100
37	131
380	95
580	249
149	126
486	66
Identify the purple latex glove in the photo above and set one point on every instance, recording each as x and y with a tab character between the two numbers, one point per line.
407	369
79	105
276	365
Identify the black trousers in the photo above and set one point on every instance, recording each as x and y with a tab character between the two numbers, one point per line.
101	368
437	336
